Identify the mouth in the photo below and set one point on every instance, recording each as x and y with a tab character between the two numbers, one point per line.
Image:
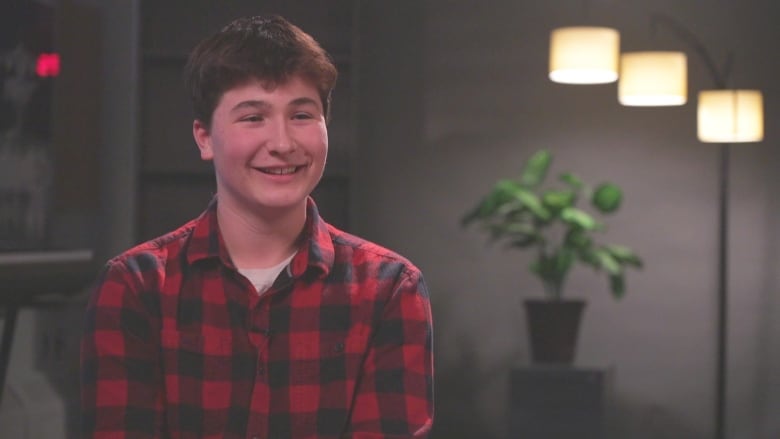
280	170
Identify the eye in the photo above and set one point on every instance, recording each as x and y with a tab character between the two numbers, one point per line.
252	118
302	116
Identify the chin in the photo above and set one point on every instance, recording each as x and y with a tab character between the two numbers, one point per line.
282	203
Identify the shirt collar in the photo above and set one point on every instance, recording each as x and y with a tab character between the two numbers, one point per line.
315	249
316	245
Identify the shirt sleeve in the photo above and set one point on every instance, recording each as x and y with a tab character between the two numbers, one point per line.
394	397
121	384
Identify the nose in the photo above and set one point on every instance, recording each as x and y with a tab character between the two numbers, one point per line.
281	141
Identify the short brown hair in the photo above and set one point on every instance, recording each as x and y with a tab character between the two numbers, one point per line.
270	49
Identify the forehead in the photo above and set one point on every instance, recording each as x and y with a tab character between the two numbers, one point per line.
276	93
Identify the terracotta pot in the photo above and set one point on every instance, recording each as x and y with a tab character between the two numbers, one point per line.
553	327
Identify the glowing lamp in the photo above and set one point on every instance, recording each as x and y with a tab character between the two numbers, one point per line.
653	79
730	116
584	55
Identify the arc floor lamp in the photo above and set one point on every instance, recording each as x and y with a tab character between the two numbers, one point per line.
588	55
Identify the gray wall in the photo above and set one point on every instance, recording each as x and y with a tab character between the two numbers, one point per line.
454	95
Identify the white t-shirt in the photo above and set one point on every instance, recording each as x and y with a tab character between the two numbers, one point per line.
263	278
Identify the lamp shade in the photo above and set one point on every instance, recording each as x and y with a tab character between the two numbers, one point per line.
730	116
584	55
653	79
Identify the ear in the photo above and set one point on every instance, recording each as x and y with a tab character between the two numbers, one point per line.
203	138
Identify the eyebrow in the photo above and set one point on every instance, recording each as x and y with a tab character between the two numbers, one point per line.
260	104
304	101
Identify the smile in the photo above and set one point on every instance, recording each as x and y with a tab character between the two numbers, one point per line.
280	171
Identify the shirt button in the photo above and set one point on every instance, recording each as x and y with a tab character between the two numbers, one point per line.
261	370
339	348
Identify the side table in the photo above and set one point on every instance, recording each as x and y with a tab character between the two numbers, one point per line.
560	402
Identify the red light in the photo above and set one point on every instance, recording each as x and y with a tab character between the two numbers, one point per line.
48	65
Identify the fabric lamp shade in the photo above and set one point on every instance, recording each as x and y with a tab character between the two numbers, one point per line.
653	79
584	55
730	116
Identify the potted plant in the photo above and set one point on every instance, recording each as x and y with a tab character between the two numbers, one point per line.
525	214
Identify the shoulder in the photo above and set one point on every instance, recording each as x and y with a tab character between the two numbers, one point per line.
383	277
163	245
364	254
149	260
135	279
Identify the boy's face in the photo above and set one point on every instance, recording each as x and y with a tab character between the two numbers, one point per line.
268	145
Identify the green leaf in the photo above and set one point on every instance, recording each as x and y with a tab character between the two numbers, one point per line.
607	262
624	255
531	201
522	242
513	230
520	228
578	238
505	188
588	256
607	197
509	211
535	168
563	260
579	218
617	285
502	193
496	231
556	200
472	215
572	181
536	267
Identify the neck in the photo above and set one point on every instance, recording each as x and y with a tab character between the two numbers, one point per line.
258	240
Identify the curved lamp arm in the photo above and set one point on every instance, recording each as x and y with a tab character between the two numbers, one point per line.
719	77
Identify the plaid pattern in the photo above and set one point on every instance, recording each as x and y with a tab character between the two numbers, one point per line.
178	344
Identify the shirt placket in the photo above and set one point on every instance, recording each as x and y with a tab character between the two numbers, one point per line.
259	336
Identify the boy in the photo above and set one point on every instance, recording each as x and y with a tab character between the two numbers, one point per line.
258	319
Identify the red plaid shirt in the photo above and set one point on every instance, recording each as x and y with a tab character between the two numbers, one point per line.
178	344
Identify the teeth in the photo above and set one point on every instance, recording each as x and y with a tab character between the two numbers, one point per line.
280	171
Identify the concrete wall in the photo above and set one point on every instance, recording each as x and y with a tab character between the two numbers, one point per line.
454	95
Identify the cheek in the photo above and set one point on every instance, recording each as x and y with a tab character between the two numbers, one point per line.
314	141
322	141
232	145
325	145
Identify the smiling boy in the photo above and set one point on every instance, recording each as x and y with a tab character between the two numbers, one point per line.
258	319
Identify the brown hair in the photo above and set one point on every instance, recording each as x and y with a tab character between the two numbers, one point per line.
270	49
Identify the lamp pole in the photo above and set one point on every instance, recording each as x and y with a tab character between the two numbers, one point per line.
720	80
721	377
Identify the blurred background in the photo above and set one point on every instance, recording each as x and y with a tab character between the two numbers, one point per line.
436	101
